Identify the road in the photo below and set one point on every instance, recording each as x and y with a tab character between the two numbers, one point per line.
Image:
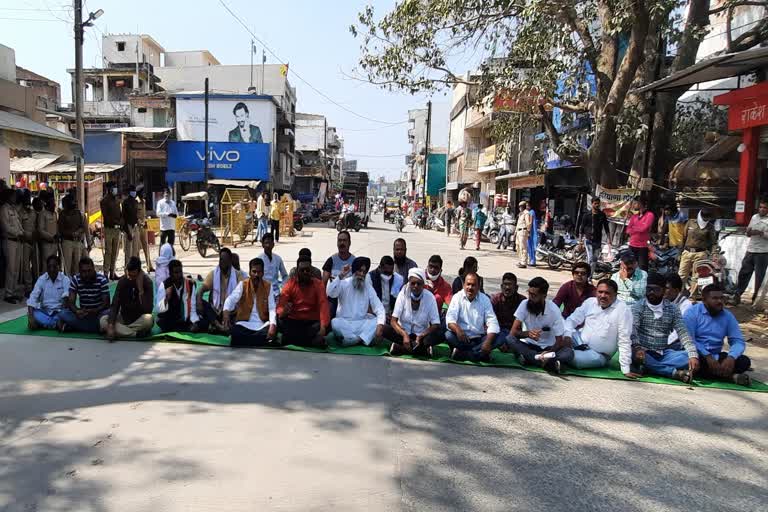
135	426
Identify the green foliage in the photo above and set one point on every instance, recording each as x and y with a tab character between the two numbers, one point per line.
693	121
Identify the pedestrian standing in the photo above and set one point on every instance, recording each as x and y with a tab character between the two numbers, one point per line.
71	227
591	227
131	225
167	212
639	231
448	217
274	217
27	217
480	218
699	237
261	215
464	216
507	227
756	259
113	222
142	215
45	229
522	230
12	232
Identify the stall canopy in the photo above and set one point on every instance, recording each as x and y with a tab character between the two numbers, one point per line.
71	167
33	163
19	132
714	68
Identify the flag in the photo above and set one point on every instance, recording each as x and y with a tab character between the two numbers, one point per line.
284	70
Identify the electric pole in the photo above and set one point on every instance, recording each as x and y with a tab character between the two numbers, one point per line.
426	151
79	130
205	160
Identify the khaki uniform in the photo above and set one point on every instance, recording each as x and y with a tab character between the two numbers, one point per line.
28	255
71	226
113	220
12	233
45	233
143	239
522	230
696	244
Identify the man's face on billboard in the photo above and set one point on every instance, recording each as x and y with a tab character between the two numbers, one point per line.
242	117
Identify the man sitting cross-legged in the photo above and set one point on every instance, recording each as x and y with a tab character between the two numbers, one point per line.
709	324
472	325
131	313
303	311
415	319
653	319
505	304
607	328
46	301
92	289
176	309
353	323
220	282
542	342
254	307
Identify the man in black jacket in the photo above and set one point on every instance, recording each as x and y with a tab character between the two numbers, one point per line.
591	227
387	283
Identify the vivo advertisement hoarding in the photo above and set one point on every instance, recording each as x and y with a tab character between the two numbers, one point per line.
231	118
226	160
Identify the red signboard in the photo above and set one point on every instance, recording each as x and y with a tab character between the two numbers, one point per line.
748	114
509	100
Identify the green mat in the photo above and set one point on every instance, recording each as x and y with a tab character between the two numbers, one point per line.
18	326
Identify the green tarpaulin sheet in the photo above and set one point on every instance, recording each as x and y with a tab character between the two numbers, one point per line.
499	359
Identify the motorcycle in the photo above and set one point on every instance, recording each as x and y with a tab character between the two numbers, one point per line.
664	261
399	221
349	221
206	238
298	221
558	251
491	229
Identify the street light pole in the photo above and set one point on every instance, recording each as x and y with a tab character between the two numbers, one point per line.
79	130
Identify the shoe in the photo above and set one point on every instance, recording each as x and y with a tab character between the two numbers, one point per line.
395	350
552	366
456	355
521	360
683	376
483	357
418	350
520	265
61	327
430	352
742	379
146	333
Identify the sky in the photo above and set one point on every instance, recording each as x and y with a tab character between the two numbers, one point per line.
313	37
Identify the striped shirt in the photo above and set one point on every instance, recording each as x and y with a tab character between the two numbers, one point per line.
89	293
653	333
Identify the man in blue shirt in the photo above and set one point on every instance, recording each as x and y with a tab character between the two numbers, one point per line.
709	323
480	218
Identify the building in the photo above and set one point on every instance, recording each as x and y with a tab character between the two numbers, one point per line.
424	125
259	81
320	155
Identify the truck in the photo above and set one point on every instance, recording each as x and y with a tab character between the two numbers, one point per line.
354	190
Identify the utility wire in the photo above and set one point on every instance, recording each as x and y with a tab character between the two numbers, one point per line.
319	92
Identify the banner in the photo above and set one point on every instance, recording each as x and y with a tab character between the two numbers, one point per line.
616	203
229	119
226	160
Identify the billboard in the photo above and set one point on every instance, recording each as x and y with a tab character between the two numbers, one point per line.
226	160
230	119
616	203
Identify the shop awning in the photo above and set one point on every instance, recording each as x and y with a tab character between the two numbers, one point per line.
19	132
236	183
148	130
33	163
71	167
714	68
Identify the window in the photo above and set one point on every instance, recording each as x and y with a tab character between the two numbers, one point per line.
121	46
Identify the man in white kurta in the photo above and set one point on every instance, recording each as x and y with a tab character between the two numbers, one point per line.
353	323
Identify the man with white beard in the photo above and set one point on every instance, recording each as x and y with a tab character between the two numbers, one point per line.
353	324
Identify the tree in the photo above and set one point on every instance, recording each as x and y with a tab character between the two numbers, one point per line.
583	56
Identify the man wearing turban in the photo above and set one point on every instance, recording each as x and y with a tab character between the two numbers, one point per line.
353	323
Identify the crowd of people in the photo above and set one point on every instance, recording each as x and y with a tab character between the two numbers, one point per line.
638	315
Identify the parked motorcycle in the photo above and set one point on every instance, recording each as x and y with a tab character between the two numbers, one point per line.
298	221
664	261
558	251
205	238
491	229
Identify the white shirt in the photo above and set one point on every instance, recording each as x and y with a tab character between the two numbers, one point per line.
245	133
274	270
164	208
551	318
261	209
416	322
605	330
354	303
758	243
162	303
254	323
684	303
474	317
48	295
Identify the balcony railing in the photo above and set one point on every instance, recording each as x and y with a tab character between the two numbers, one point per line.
107	108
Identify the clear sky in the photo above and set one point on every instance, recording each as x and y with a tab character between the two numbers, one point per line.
312	36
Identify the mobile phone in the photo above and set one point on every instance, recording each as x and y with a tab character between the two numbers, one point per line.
546	329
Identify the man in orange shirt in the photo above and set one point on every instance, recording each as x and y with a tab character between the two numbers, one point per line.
303	311
435	283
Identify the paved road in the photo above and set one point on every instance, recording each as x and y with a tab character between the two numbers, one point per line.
132	426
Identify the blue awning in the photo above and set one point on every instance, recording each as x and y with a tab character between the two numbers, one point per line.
191	176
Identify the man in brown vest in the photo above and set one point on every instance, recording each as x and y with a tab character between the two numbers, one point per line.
254	307
175	306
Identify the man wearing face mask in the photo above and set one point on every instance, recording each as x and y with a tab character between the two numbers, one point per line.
653	320
437	285
415	319
709	324
113	225
167	213
45	228
386	283
71	226
131	245
543	342
699	238
353	324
